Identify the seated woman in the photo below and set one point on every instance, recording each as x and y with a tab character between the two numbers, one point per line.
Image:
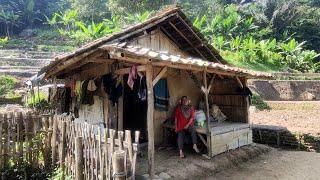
184	122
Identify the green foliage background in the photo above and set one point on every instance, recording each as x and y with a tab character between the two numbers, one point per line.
268	35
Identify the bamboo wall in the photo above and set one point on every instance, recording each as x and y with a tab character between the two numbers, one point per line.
224	94
79	149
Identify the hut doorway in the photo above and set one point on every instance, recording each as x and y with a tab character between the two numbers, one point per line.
134	109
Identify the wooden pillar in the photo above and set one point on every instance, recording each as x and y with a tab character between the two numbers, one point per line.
206	98
79	159
247	102
118	164
150	127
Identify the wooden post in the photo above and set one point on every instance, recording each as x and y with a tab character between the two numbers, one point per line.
150	127
79	158
1	154
136	140
206	94
62	149
53	142
118	159
19	118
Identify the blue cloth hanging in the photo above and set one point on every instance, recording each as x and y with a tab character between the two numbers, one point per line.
161	95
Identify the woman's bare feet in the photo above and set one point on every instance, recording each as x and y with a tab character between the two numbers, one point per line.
195	148
181	154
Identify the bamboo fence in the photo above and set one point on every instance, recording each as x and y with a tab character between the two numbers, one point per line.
81	150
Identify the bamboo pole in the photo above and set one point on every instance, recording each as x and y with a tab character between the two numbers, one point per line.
53	141
62	149
118	159
79	158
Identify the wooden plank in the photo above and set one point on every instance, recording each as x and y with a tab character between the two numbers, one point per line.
127	70
185	38
159	75
150	127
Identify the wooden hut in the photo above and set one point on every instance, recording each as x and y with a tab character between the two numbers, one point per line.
166	46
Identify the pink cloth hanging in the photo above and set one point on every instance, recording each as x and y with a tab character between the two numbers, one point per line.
132	76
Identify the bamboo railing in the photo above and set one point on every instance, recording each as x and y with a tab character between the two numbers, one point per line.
81	150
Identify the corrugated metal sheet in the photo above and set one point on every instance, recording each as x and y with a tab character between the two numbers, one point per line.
165	56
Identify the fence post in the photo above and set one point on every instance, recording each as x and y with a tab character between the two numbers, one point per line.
79	159
118	159
1	154
19	119
53	142
62	149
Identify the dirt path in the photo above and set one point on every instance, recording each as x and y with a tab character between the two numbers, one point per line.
277	164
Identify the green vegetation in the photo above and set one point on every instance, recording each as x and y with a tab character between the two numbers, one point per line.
259	103
38	101
267	35
7	84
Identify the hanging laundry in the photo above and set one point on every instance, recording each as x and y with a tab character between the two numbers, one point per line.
161	95
91	86
66	100
110	86
142	92
77	90
132	76
86	95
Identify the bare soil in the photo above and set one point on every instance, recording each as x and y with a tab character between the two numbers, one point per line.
296	116
276	165
194	166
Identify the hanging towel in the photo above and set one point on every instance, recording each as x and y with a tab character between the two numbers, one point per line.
142	89
132	76
161	95
77	90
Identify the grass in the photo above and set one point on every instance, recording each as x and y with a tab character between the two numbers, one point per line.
266	67
259	103
7	84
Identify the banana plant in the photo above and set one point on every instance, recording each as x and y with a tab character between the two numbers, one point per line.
138	17
92	30
10	19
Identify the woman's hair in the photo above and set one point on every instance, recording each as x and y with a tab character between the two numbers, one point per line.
182	98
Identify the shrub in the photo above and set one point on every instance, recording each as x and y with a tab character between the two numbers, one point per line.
259	102
6	84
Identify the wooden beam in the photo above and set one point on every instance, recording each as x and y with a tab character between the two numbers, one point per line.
172	38
185	38
159	75
127	70
239	82
150	127
210	84
210	50
64	64
207	113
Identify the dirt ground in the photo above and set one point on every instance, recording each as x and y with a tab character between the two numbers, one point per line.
254	162
276	165
296	116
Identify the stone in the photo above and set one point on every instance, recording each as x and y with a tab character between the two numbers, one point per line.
164	175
